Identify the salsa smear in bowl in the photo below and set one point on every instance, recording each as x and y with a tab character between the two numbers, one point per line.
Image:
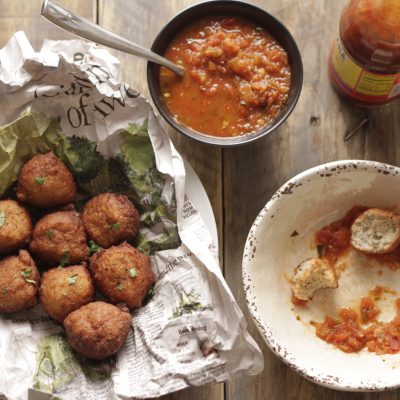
346	335
237	77
243	73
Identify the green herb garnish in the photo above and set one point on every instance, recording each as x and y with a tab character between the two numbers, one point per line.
72	279
49	234
39	180
149	295
25	273
2	218
94	247
65	259
132	272
4	290
120	286
116	226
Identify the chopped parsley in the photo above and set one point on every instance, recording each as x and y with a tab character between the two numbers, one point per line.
149	295
2	218
94	247
120	286
49	234
116	226
72	279
4	290
65	259
26	273
132	272
39	180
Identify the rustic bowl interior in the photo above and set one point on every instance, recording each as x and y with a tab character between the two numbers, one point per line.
283	235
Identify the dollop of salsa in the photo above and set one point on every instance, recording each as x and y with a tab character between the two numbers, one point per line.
347	333
368	310
237	77
334	239
344	332
384	337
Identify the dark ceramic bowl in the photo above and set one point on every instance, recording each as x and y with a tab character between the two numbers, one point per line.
228	8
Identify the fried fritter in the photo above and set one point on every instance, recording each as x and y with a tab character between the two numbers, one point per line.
64	290
97	330
123	274
60	238
110	218
15	226
19	282
44	181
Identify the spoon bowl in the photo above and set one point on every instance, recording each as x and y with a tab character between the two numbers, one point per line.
83	28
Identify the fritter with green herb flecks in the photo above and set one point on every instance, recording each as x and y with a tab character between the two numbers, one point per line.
97	330
64	290
19	282
110	218
123	274
15	226
59	238
44	181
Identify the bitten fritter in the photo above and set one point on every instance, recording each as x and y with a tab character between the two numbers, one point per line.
110	218
44	181
64	290
19	282
15	226
123	274
97	330
60	238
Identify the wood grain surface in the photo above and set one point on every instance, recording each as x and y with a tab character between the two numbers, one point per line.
240	181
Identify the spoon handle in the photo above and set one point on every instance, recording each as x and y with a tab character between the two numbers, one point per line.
95	33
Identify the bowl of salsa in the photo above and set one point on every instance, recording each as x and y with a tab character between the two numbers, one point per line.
243	73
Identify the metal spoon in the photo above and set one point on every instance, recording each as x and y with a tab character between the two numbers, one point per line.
95	33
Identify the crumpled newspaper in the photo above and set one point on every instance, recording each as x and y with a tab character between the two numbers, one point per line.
67	99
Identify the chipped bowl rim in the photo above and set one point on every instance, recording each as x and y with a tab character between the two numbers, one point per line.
265	331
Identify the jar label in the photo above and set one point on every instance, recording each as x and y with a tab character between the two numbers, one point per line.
358	82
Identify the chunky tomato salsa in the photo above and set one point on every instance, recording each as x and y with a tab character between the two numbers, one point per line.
352	331
237	77
334	239
348	334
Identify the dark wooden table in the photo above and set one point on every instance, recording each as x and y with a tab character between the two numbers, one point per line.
240	181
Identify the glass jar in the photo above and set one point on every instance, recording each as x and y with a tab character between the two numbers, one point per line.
364	63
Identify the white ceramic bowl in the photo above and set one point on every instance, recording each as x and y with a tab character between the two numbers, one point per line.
283	235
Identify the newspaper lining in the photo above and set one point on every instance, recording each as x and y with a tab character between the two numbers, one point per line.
191	332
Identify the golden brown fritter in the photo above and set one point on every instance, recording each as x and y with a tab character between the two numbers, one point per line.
123	274
97	330
110	218
60	238
15	226
45	181
64	290
19	282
